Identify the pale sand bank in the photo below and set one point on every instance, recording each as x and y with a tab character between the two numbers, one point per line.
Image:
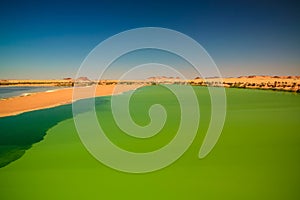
53	98
40	100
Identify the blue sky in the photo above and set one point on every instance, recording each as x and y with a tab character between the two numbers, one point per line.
50	39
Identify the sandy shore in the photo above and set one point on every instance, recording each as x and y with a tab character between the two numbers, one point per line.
40	100
35	101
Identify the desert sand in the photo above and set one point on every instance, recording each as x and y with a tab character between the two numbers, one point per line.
277	83
40	100
35	101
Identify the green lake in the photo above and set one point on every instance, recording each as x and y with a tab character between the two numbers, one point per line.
257	155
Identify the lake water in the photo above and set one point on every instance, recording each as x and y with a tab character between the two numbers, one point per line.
6	92
256	157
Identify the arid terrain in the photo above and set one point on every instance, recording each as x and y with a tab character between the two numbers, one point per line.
40	100
282	83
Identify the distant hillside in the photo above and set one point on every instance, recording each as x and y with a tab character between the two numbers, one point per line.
83	79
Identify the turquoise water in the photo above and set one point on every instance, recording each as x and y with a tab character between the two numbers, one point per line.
256	157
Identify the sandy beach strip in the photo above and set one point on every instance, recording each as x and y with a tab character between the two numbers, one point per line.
41	100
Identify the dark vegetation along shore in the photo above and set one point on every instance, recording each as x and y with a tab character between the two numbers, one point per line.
275	83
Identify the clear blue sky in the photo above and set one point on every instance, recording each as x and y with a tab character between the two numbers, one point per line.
50	39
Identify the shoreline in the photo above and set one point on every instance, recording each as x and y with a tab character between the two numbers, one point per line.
43	100
30	92
60	96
